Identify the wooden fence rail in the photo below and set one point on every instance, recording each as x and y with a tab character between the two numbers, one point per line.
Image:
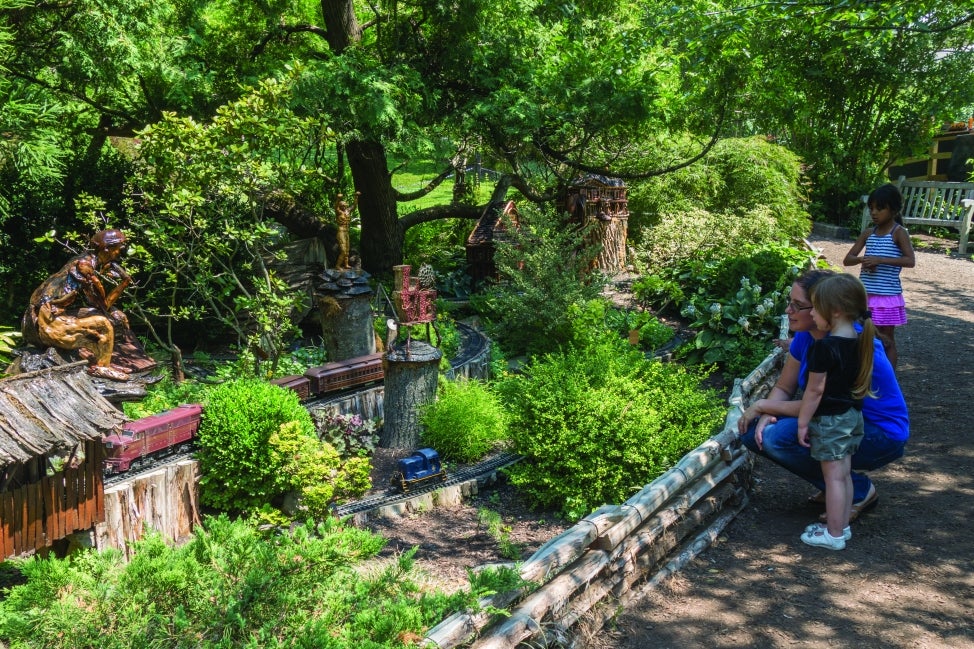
619	552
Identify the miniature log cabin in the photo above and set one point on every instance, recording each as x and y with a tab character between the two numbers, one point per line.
51	425
491	227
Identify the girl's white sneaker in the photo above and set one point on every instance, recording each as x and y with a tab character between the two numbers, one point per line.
846	532
820	538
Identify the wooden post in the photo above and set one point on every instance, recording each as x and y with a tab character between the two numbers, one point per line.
411	373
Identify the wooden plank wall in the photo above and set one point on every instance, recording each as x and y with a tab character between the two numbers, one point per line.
37	514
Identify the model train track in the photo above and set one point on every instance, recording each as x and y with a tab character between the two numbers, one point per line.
116	478
393	496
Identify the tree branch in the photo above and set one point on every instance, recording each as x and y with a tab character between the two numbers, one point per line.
623	175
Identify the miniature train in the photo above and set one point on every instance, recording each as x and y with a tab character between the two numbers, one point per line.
330	377
143	440
421	467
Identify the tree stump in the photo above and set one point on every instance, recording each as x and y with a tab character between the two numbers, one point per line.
612	235
410	382
345	305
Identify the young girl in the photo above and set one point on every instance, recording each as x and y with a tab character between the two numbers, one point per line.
830	418
887	251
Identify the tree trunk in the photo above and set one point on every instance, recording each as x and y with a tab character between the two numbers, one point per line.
346	326
410	383
382	236
341	26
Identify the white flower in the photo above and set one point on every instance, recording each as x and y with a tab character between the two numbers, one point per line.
759	309
715	307
744	323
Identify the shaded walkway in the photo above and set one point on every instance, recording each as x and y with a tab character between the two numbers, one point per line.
907	577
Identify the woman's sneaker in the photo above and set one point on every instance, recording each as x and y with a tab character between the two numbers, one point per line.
846	533
820	538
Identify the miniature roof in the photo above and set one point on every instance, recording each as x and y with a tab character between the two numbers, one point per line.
51	410
490	221
591	179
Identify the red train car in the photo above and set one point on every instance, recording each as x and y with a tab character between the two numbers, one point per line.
352	372
301	385
150	437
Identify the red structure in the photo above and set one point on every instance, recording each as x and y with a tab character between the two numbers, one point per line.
491	227
414	301
51	427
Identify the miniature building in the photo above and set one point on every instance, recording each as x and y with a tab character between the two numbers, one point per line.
602	200
492	226
414	300
51	425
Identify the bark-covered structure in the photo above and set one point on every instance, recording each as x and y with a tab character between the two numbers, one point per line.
51	425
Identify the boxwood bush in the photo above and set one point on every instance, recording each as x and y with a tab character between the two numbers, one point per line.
239	418
465	422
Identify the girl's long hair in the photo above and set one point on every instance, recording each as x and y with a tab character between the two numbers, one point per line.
845	294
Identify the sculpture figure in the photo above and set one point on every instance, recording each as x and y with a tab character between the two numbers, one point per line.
56	318
343	217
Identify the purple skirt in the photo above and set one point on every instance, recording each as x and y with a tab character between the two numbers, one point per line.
888	310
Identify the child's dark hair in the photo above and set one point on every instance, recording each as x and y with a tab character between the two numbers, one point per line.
811	277
888	196
845	294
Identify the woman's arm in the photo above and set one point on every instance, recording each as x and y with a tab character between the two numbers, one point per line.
779	402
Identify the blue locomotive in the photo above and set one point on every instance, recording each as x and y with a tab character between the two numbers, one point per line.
419	468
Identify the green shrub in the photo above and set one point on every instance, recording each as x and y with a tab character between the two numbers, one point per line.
239	418
596	425
740	179
698	234
9	339
228	587
465	421
164	395
544	266
316	471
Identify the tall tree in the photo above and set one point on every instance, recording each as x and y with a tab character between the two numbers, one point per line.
850	86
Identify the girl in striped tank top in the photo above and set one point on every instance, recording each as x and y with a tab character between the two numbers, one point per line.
886	250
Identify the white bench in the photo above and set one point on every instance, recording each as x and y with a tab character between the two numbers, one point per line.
941	204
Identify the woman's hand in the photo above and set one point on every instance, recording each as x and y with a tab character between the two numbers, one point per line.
748	416
763	421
